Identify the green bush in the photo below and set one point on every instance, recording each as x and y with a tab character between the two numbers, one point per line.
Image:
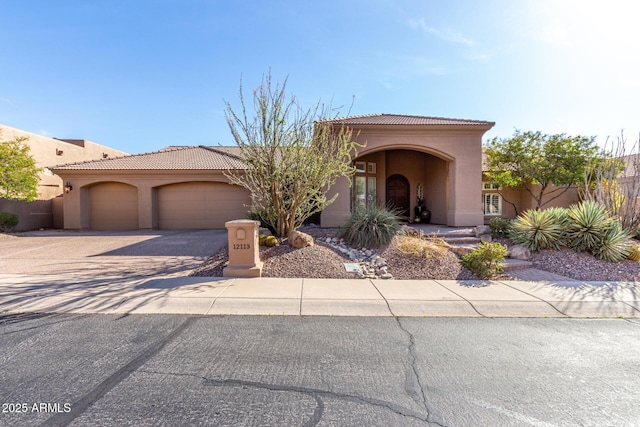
538	230
487	260
8	221
370	227
261	215
500	227
589	224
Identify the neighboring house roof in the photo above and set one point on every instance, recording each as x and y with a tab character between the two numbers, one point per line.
399	119
171	158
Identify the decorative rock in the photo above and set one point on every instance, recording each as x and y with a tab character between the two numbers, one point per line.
481	230
520	252
461	250
485	237
372	266
298	239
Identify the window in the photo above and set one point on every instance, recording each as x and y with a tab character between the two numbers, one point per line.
490	186
364	185
492	204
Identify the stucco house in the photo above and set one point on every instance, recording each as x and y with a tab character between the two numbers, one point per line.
46	211
186	187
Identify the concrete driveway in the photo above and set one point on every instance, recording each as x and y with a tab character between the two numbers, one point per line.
108	253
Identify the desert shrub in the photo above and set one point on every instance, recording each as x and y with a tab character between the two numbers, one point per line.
634	252
370	227
500	227
420	247
538	230
614	245
261	215
8	221
486	260
589	224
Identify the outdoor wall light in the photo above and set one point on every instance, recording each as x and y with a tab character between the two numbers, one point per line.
68	187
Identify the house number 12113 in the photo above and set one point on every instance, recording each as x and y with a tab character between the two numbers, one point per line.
241	246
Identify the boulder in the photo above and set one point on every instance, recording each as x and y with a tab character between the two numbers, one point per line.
481	230
520	252
485	238
298	240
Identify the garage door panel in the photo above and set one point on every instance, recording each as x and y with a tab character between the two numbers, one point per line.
113	206
200	205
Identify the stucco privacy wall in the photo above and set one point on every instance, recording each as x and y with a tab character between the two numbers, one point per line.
457	146
49	152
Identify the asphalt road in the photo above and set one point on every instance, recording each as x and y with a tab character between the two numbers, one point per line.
306	371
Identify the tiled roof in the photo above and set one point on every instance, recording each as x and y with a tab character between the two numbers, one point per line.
398	119
171	158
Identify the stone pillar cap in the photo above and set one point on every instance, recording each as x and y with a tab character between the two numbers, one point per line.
241	222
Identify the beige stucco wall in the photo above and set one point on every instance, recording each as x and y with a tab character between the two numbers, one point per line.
524	201
451	174
49	152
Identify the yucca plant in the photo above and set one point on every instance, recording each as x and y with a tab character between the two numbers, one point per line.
538	230
615	245
559	215
588	225
370	227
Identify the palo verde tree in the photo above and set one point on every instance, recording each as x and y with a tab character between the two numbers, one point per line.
544	165
292	155
18	171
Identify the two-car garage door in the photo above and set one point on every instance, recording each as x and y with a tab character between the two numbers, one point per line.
200	205
191	205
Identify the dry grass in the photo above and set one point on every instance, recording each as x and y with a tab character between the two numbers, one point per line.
420	246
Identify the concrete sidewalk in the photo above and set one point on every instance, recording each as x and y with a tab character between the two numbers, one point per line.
317	297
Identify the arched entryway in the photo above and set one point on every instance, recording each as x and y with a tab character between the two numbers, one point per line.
397	192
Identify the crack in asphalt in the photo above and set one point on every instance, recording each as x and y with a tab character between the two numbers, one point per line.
413	385
317	394
80	406
412	378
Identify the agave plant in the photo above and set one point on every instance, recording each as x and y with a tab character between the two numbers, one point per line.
615	245
589	224
538	230
370	227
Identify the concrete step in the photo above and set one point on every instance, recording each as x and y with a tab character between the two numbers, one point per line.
461	240
516	264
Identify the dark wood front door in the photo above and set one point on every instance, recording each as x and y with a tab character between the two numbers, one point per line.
398	194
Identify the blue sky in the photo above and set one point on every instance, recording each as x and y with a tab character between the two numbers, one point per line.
139	75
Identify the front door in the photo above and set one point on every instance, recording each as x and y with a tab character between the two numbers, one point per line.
398	194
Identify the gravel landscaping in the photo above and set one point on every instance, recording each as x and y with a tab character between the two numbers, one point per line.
584	266
323	261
